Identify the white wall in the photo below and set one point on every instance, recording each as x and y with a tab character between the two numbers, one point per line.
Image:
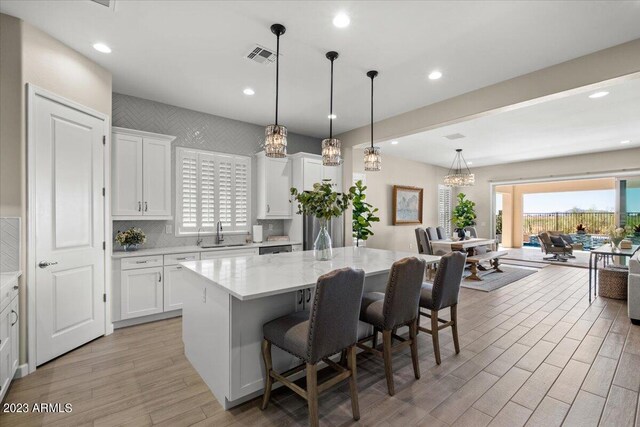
398	171
557	167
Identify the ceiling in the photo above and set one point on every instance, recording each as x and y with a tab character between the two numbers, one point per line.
571	125
191	53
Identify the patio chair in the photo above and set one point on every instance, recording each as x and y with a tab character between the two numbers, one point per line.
576	246
557	250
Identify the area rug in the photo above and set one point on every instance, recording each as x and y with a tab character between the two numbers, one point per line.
493	281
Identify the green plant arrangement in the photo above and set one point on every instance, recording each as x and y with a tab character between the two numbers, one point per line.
464	214
323	203
130	239
363	214
636	229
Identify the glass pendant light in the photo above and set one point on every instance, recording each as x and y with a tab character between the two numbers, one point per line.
372	157
275	141
458	175
331	147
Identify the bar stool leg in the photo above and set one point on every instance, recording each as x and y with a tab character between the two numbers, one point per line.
388	367
312	394
413	332
353	382
454	327
374	344
268	380
434	335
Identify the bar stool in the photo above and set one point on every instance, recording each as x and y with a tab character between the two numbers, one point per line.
397	307
330	328
441	294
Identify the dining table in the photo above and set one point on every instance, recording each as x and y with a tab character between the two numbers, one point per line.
605	254
444	246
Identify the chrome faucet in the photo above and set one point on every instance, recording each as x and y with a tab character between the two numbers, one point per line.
199	241
219	235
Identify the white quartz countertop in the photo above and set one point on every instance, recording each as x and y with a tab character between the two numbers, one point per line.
251	277
7	278
187	249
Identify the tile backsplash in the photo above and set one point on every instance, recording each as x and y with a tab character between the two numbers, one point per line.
9	244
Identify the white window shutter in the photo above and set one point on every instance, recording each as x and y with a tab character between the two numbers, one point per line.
207	191
242	177
225	190
444	208
187	188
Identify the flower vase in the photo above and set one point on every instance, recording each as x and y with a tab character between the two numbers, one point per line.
322	249
130	247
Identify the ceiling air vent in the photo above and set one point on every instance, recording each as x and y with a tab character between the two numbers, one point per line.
261	55
111	4
455	136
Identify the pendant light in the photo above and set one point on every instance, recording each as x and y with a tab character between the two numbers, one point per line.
459	174
372	157
331	147
275	141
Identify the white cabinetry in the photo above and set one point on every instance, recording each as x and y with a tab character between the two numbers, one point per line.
173	282
274	184
9	336
141	175
141	292
230	253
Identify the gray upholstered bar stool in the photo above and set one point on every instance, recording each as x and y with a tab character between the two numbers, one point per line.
397	307
331	327
441	294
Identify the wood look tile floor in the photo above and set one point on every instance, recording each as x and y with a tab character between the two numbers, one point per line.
533	353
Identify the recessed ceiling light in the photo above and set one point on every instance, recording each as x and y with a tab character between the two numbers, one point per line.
101	47
332	117
598	94
394	142
626	141
341	20
469	163
249	91
435	75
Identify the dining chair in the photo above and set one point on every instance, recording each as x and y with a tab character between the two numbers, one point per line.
442	234
432	233
396	307
330	328
424	247
443	293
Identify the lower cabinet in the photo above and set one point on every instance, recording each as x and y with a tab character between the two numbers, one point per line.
141	292
9	343
173	288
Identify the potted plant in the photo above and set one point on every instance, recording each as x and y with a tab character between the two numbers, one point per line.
130	239
616	235
499	226
363	214
581	229
464	214
323	203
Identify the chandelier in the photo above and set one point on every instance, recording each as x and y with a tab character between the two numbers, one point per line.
372	157
459	174
275	135
331	147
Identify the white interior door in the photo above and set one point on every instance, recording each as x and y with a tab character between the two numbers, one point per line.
68	162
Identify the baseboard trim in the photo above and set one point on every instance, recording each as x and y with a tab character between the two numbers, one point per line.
109	329
22	371
147	319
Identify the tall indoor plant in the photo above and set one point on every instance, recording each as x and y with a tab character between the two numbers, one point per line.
363	214
323	203
464	214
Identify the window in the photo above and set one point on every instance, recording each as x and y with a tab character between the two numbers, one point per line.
444	208
212	187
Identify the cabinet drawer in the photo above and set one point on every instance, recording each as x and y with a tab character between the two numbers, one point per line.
8	292
141	262
174	259
229	253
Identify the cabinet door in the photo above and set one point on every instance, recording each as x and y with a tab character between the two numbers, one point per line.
126	175
312	173
173	287
334	173
141	292
14	325
230	253
5	350
278	185
156	177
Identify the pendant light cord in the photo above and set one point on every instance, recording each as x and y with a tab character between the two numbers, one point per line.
277	73
331	105
372	77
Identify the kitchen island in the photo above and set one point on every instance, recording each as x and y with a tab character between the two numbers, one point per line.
227	301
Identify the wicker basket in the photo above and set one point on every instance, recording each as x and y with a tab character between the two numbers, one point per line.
613	282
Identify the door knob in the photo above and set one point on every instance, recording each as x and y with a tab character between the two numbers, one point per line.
45	264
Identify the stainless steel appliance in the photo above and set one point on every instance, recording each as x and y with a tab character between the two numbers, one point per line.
311	227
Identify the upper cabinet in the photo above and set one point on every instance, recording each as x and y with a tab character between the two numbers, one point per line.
308	170
141	175
274	184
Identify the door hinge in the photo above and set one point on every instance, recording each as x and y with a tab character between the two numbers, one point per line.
104	297
104	191
104	246
104	139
